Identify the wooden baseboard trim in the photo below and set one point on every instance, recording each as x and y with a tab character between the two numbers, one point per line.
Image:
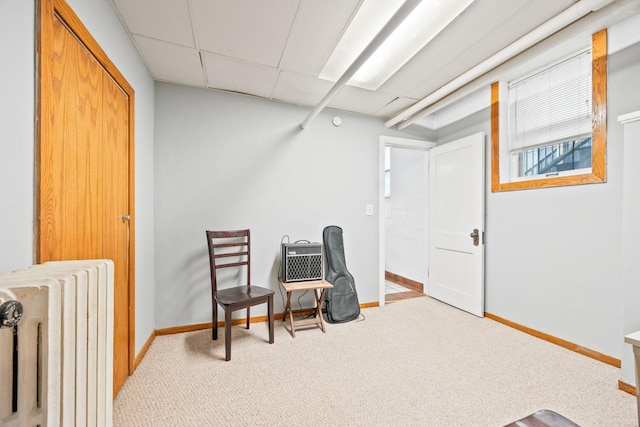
558	341
207	325
370	304
183	328
257	319
143	351
407	283
627	388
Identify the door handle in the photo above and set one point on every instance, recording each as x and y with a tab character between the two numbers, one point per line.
126	218
475	235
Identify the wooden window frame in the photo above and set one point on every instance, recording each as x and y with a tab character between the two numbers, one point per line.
598	136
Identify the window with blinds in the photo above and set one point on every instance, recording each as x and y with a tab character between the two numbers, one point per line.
549	119
549	128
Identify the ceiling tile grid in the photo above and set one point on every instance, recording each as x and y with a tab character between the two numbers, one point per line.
276	49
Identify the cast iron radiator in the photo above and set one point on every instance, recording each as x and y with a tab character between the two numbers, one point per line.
56	345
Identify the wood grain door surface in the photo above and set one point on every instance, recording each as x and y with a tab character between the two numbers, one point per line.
84	195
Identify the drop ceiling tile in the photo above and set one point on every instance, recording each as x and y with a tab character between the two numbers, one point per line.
363	101
226	74
170	62
317	30
394	107
166	20
250	30
300	89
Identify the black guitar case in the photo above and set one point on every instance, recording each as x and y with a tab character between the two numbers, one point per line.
341	301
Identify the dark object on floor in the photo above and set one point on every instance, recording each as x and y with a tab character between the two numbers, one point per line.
543	418
235	246
341	301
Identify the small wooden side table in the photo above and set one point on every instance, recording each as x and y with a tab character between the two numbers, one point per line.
319	288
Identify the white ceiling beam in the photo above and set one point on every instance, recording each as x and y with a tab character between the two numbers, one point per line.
405	10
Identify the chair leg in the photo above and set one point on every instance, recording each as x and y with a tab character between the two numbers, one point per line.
214	321
227	334
270	315
248	316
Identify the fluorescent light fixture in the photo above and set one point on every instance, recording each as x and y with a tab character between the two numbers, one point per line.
427	20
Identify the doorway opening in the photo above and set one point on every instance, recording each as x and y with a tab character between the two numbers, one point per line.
403	230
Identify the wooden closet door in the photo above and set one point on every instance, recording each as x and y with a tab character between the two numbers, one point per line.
85	186
71	158
116	219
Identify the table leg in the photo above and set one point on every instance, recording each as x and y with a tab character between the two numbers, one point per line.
318	309
290	311
636	356
286	306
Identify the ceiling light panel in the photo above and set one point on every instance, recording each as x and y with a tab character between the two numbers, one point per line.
369	20
427	20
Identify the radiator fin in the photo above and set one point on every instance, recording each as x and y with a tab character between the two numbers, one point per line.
65	345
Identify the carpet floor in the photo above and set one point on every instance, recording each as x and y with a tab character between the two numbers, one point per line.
416	362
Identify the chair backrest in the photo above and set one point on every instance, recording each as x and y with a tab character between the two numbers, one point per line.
229	249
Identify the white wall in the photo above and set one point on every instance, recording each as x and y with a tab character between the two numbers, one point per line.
16	134
406	215
17	139
228	161
554	256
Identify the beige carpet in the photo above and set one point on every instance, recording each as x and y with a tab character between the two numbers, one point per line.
411	363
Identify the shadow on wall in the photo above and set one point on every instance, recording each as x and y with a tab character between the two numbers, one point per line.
193	281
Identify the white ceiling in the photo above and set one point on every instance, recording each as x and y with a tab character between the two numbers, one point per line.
275	49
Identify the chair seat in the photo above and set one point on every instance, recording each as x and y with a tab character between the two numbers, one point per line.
241	293
543	418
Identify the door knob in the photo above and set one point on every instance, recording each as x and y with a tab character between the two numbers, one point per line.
126	218
475	235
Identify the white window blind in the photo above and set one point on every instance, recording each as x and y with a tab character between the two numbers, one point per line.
551	106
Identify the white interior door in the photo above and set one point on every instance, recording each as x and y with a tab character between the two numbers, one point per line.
456	223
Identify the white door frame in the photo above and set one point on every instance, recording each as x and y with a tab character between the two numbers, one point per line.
391	141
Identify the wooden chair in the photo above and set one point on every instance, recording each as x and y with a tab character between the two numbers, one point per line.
235	247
